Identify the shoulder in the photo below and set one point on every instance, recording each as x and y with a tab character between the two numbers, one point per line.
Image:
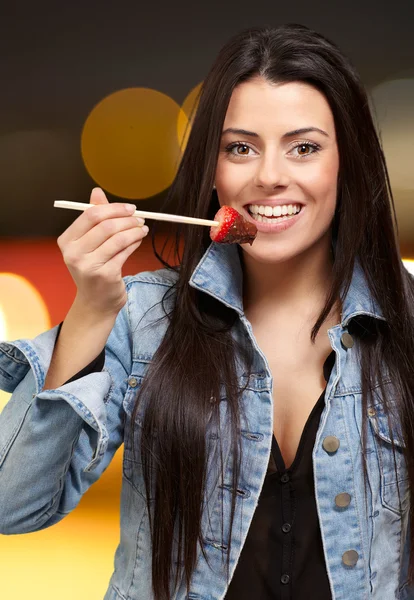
161	278
150	287
151	298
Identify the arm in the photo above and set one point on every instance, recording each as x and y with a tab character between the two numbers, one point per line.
82	337
95	366
55	443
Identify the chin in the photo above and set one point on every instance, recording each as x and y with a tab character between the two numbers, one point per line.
265	254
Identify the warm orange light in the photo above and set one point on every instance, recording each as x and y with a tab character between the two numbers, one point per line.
186	116
2	325
409	265
23	313
129	142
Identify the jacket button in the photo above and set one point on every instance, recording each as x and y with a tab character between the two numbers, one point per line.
286	527
350	558
330	444
342	500
285	578
132	382
371	412
285	478
347	340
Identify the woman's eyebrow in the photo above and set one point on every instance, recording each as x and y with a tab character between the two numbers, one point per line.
285	135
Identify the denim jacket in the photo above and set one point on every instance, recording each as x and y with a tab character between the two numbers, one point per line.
55	443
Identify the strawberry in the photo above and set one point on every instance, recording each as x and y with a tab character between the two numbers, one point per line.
233	228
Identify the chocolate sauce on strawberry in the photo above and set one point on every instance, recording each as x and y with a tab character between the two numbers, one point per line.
232	227
240	232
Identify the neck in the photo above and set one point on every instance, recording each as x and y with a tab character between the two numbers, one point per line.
293	288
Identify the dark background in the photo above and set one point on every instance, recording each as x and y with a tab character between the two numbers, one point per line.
59	59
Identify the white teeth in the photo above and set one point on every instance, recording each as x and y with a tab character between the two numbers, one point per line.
273	211
264	219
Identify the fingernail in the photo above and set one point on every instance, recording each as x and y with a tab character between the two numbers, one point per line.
130	208
145	229
140	220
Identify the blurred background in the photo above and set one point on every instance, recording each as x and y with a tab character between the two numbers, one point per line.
100	94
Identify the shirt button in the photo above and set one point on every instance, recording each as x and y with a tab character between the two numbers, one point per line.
285	578
331	444
347	340
350	558
342	500
285	478
132	382
286	527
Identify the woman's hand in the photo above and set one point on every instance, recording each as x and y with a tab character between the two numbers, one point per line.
94	249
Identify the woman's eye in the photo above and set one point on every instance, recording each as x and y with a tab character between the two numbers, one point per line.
304	147
240	149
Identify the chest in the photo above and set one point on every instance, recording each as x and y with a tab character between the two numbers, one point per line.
296	366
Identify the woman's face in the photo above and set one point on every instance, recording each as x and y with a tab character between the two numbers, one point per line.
266	167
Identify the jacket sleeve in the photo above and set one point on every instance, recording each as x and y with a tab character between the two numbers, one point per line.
54	444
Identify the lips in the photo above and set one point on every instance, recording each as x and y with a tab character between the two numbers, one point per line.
276	225
272	203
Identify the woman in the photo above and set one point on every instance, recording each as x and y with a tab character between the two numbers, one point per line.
264	393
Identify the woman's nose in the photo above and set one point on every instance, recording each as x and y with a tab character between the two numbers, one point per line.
271	172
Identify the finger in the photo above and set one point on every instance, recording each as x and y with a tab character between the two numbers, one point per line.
103	231
116	263
117	243
98	196
92	216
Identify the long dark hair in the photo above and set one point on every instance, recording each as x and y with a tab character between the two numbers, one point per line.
198	353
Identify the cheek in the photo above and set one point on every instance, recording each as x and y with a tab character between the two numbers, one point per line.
230	177
322	183
321	186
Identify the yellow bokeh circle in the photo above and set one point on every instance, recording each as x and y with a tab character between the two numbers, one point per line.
23	313
129	142
187	114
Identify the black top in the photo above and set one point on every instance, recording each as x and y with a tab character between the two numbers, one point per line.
282	558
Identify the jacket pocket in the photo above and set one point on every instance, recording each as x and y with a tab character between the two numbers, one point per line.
392	464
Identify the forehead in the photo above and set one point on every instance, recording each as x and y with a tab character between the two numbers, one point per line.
258	105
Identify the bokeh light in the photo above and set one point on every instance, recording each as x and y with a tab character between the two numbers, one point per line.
2	325
409	265
394	108
129	142
23	313
393	105
186	116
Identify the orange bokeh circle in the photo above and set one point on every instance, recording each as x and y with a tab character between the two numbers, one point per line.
129	142
187	114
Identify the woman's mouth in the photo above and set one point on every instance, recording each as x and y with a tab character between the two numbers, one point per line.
274	219
273	214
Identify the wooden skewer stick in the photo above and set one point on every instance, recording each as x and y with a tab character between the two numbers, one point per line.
141	213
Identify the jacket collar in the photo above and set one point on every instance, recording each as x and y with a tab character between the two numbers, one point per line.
219	274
